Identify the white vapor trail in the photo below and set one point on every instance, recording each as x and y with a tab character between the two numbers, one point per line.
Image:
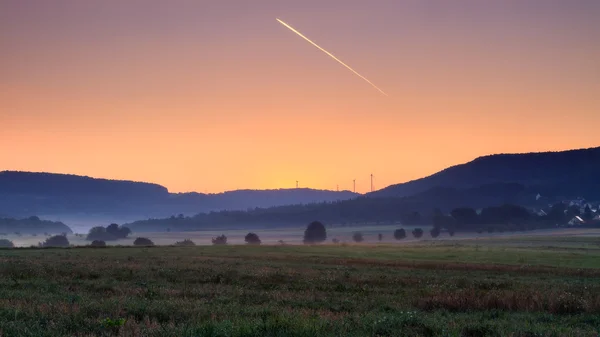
331	55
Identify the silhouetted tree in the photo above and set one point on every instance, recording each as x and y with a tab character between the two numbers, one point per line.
252	239
380	237
357	237
220	240
435	232
315	233
143	242
417	233
399	234
56	241
588	215
464	217
110	233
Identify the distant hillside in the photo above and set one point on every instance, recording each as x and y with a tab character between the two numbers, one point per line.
32	225
59	196
357	210
568	173
51	184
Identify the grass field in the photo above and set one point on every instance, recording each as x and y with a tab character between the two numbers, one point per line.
520	286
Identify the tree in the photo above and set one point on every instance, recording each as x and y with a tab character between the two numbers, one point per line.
5	243
56	241
451	232
119	232
186	242
110	233
399	234
252	239
315	233
435	232
98	243
464	217
220	240
380	237
587	213
417	233
143	242
99	233
357	237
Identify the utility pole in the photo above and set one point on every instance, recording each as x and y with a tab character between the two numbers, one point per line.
337	188
371	182
354	185
296	183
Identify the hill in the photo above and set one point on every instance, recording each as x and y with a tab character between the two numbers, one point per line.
86	199
559	174
32	225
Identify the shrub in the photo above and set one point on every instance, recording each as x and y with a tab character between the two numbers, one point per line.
315	232
252	239
56	241
417	232
357	237
98	243
399	234
451	232
5	243
335	240
143	242
380	237
186	242
220	240
435	232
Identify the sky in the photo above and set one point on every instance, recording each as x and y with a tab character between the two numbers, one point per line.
211	96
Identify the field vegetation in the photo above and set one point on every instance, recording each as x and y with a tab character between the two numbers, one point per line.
528	286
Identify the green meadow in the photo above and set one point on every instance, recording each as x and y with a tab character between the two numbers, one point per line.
511	286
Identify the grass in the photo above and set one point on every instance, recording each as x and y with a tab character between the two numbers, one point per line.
542	286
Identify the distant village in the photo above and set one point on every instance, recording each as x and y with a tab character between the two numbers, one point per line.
578	212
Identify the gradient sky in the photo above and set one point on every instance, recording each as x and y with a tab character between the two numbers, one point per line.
217	95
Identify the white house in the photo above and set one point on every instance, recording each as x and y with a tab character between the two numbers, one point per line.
577	220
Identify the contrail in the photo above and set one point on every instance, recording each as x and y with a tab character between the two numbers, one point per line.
328	53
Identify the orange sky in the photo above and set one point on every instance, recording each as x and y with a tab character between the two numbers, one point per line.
212	97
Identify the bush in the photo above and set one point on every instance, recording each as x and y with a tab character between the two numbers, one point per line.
315	233
380	237
417	233
98	243
5	243
186	242
399	234
335	240
56	241
451	232
220	240
252	239
357	237
143	242
435	232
